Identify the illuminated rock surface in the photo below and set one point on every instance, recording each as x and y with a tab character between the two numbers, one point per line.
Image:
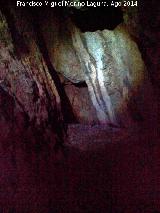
25	78
97	168
111	80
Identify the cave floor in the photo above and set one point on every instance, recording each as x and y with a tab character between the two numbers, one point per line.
93	137
112	170
99	170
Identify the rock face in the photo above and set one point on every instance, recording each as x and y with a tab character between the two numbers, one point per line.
30	116
81	104
110	63
105	85
25	76
110	79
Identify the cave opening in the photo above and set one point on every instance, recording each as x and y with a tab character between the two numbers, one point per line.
96	18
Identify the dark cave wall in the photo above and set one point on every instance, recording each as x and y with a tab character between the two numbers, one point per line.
35	175
31	120
24	72
143	24
149	37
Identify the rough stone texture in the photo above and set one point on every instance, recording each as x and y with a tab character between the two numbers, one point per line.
30	118
143	24
111	80
116	170
149	37
26	78
81	104
60	47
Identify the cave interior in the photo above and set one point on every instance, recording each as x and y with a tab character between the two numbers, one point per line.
79	109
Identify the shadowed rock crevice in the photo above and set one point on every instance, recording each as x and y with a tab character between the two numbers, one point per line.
25	78
20	46
22	49
66	107
100	18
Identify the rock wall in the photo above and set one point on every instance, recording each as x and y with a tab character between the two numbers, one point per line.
36	176
81	103
110	63
24	74
113	69
31	123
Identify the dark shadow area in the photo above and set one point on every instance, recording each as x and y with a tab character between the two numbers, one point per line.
21	48
93	19
113	172
80	85
19	44
68	114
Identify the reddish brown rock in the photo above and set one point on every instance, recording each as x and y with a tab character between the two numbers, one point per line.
81	104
